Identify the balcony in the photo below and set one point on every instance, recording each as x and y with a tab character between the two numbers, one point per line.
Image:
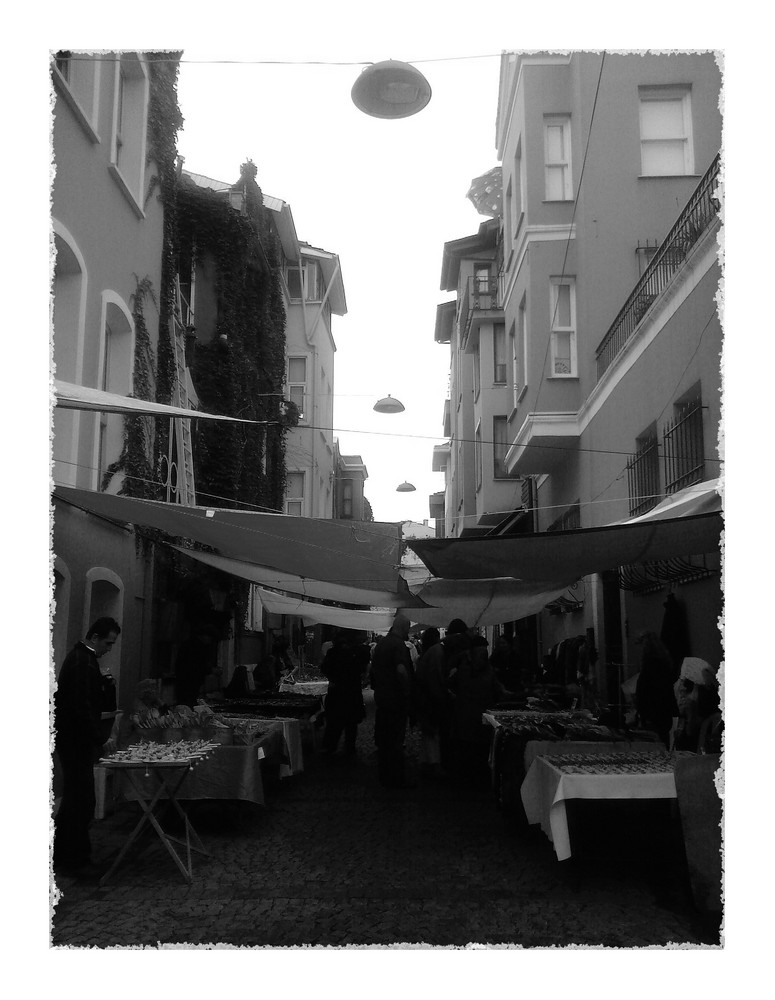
698	215
482	301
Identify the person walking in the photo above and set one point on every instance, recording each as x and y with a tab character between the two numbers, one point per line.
474	688
78	741
391	680
431	700
345	666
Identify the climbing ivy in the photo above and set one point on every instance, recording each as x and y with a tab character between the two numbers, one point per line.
241	371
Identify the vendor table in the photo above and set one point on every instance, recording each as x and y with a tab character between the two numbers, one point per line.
165	779
552	779
519	736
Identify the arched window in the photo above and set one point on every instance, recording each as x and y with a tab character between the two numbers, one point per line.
68	325
104	597
61	613
115	375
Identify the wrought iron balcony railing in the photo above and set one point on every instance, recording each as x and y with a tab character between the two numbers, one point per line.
482	295
699	213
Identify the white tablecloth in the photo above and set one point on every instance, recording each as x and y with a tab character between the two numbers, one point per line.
305	687
546	787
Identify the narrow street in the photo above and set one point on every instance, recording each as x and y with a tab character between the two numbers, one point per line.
335	860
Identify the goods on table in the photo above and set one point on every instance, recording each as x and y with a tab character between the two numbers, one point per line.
628	763
247	730
182	752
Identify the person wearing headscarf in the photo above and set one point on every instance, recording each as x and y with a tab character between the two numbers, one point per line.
696	694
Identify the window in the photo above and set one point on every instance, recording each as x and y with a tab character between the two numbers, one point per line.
569	520
666	146
306	282
297	383
684	446
115	375
77	77
499	353
130	109
500	445
518	338
557	169
477	372
645	253
517	203
508	216
347	498
563	318
643	475
481	279
294	493
478	455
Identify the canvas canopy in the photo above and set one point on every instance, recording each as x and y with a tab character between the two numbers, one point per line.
347	552
688	523
484	581
81	397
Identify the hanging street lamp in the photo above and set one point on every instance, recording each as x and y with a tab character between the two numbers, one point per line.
405	487
389	405
391	89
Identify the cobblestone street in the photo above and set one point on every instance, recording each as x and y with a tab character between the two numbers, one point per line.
335	860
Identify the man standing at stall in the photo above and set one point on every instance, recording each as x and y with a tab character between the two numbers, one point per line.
78	705
391	679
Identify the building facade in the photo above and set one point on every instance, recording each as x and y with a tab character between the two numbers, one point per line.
607	271
107	232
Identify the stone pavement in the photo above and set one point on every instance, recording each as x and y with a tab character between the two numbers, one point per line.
335	860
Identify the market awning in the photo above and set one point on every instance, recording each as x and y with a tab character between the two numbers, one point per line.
302	586
688	523
372	621
82	397
434	602
354	553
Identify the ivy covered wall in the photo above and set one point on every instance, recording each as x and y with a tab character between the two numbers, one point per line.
240	370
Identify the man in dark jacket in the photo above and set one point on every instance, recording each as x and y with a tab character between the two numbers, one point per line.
391	680
345	666
79	703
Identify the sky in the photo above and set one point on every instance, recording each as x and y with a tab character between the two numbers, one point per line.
383	195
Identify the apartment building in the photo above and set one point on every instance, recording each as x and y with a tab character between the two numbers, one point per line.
107	240
604	268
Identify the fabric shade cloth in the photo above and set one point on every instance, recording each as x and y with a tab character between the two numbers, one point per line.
433	602
83	397
335	551
300	585
688	523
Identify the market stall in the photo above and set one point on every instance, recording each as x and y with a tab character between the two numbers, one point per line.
519	736
553	779
156	774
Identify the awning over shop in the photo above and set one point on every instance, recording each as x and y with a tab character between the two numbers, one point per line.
354	553
81	397
688	523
